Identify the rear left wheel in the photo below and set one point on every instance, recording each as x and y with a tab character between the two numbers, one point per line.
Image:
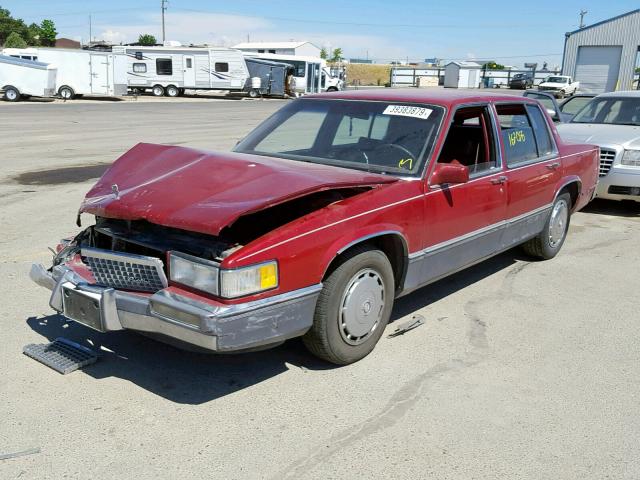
549	242
353	308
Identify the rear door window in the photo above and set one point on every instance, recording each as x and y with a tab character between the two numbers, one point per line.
517	132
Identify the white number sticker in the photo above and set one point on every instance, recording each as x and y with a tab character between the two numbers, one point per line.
408	111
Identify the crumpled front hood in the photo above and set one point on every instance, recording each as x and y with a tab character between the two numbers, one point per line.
627	136
205	191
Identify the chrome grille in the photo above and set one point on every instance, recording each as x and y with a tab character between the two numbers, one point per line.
125	270
606	160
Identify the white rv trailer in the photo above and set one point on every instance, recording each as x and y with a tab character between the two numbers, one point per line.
81	72
169	70
23	78
311	73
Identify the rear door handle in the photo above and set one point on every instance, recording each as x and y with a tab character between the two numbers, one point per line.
500	180
553	166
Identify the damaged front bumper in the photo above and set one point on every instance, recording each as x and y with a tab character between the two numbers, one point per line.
200	322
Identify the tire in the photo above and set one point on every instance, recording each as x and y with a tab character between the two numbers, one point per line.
353	308
332	89
253	93
549	242
172	91
561	94
66	92
157	90
11	94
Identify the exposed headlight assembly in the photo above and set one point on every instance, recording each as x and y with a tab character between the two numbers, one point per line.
194	272
631	158
207	276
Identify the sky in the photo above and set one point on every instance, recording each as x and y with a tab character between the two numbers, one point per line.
509	32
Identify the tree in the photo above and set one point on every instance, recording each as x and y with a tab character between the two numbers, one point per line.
35	34
336	56
492	66
323	53
147	40
8	25
14	40
48	33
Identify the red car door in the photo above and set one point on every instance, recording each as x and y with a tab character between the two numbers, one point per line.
533	169
463	222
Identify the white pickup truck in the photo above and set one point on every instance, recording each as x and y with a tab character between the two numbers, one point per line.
560	85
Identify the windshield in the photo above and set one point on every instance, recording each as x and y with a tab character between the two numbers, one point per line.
380	137
610	110
557	80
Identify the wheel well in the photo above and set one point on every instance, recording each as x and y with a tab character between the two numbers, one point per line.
573	189
391	244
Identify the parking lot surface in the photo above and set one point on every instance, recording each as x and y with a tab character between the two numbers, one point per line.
522	370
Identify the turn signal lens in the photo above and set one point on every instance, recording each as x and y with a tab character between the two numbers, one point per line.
248	280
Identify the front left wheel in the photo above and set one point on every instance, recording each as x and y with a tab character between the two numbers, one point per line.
353	308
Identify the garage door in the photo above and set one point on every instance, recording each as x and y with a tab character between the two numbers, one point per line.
597	68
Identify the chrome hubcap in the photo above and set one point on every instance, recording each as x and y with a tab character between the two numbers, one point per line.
558	223
11	94
361	306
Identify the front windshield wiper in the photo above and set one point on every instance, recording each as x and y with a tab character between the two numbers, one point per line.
633	124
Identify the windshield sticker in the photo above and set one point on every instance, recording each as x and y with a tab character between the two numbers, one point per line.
516	137
408	111
405	161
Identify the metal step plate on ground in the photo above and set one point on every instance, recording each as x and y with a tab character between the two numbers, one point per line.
62	355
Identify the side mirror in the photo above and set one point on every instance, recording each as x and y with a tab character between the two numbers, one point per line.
449	173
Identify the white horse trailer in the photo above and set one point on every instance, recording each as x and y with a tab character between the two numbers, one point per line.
81	72
24	78
172	69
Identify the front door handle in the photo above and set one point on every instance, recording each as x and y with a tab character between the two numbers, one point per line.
500	180
553	166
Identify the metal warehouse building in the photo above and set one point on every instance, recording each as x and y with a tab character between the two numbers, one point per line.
602	56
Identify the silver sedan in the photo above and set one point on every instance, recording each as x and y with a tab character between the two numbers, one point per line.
611	121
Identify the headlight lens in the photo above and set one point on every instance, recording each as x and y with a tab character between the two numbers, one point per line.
194	272
631	158
248	280
207	276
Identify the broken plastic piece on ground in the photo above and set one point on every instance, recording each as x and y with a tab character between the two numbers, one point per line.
62	355
30	451
415	322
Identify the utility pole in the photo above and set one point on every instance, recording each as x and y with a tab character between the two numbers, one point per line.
582	14
90	33
163	7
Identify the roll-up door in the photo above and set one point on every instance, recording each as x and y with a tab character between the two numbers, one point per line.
597	68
